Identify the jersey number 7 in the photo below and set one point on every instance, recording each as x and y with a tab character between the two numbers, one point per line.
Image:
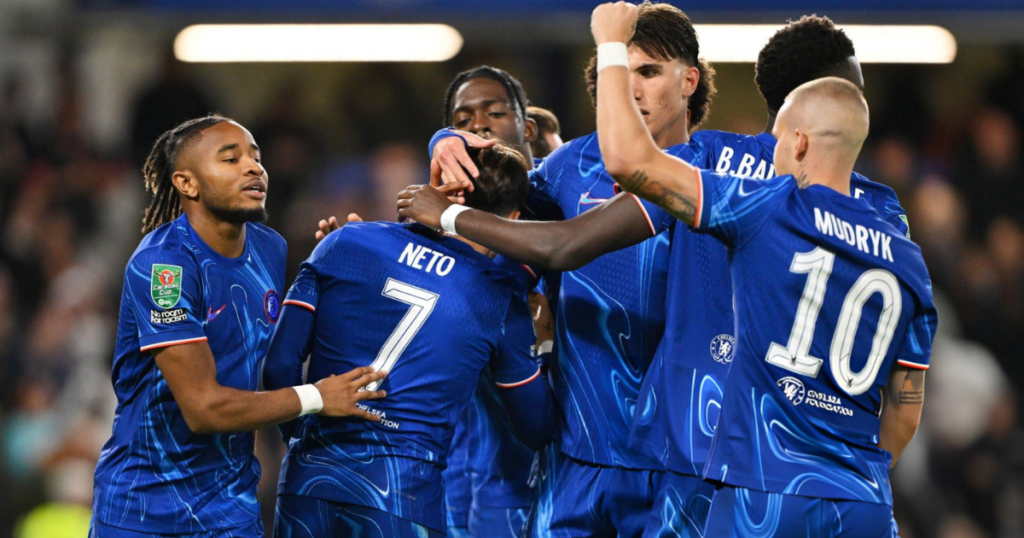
795	355
421	303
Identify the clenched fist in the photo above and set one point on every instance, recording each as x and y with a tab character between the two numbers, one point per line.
613	22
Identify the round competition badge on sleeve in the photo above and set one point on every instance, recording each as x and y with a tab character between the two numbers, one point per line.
166	289
272	305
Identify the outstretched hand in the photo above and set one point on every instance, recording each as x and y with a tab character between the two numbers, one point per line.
341	393
424	203
451	163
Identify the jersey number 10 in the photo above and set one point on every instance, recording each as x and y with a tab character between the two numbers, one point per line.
795	355
421	303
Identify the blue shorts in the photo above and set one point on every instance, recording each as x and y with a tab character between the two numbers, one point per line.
487	522
308	517
252	530
458	532
747	513
681	505
584	499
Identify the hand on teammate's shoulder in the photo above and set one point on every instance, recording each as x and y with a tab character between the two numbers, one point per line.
329	225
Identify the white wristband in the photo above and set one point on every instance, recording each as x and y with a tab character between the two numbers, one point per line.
448	217
612	54
310	399
545	347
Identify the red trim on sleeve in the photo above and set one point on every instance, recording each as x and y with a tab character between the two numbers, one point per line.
307	306
172	343
528	270
520	383
700	199
650	224
909	364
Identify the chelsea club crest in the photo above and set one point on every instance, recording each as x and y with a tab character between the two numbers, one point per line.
723	347
272	306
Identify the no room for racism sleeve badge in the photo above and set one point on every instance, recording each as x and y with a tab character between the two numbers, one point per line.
166	285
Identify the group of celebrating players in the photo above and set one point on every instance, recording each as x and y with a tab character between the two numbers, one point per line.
413	369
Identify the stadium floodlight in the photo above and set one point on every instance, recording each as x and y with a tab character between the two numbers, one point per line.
894	44
317	43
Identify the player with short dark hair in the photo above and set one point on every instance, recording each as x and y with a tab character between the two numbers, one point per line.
855	315
806	49
487	480
199	303
435	311
549	131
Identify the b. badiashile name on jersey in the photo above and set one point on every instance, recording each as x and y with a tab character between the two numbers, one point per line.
414	255
745	168
867	240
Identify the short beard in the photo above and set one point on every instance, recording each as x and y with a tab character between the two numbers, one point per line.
239	216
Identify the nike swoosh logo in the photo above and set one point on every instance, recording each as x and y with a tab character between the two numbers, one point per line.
210	314
585	199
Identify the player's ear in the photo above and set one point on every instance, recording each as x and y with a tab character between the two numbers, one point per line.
801	146
185	182
530	130
514	215
691	77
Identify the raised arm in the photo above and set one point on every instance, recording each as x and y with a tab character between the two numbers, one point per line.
630	154
560	246
901	409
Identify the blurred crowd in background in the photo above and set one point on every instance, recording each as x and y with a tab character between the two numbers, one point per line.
70	218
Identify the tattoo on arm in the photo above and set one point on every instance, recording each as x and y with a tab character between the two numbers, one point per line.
908	388
673	202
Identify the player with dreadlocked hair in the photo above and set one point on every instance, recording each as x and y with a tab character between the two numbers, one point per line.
165	205
201	297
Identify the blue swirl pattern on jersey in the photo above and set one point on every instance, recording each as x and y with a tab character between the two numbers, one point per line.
785	429
395	465
745	513
154	475
682	395
610	313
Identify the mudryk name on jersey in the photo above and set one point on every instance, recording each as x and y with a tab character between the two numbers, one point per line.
866	240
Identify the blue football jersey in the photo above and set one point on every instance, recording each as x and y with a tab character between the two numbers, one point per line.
610	312
432	312
499	472
828	297
681	397
154	475
458	485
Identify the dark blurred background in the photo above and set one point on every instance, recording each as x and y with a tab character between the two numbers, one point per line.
86	87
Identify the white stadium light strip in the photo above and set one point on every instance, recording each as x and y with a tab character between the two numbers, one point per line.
741	43
317	43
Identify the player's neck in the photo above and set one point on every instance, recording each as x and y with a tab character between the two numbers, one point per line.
225	238
834	177
673	135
